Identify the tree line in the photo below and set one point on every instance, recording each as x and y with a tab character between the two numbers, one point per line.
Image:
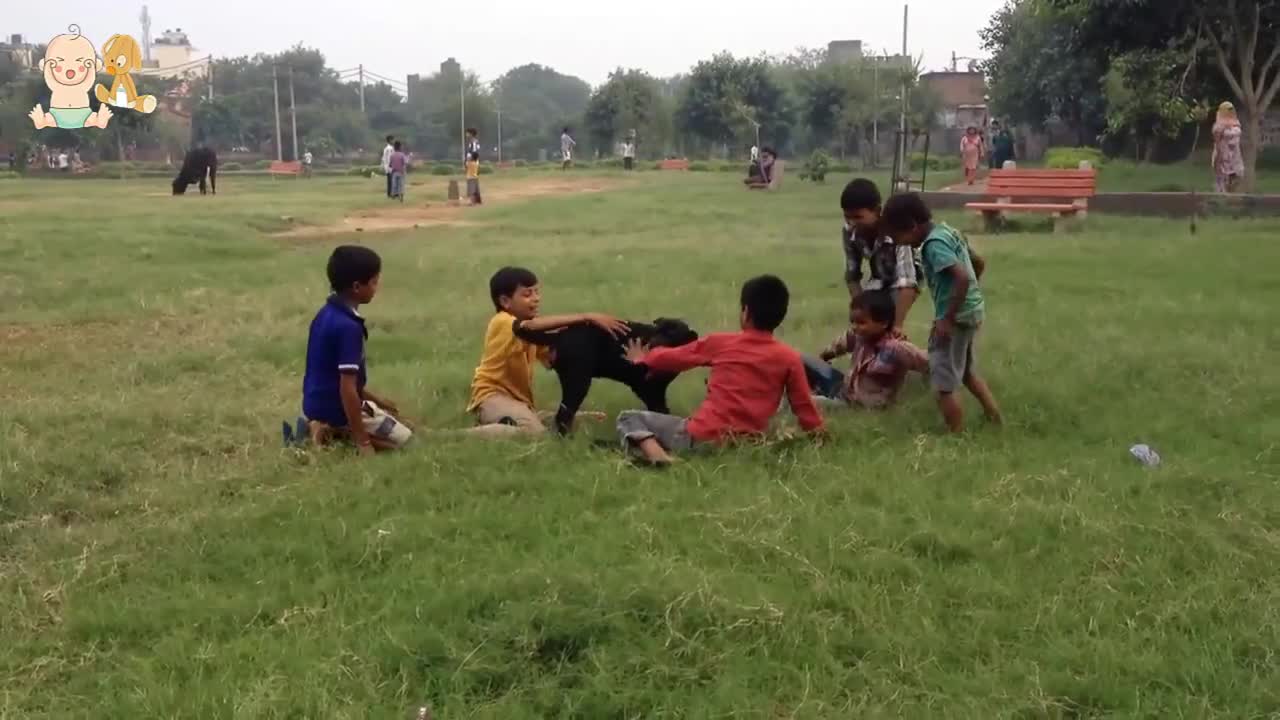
797	102
1135	75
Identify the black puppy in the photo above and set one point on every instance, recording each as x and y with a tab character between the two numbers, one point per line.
584	352
198	163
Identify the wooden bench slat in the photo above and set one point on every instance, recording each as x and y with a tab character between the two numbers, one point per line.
1022	207
1041	193
1045	173
1039	182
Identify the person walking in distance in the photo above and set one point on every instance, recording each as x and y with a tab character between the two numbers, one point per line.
567	144
386	161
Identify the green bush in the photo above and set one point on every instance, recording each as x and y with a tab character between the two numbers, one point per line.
936	162
442	169
699	166
231	167
817	166
728	167
364	171
1069	158
1269	158
262	164
840	167
520	163
486	169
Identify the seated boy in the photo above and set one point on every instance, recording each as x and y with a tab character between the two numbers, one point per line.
502	388
750	371
880	360
890	267
952	271
335	401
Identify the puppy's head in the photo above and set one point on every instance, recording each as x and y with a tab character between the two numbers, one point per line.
671	332
179	186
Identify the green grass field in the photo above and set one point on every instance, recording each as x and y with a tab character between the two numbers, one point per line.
162	557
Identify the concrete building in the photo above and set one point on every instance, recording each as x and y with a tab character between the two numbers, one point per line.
20	52
851	51
172	55
964	98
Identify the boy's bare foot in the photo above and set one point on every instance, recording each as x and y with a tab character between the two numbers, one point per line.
654	452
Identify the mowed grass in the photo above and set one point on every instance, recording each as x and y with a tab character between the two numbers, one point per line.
161	556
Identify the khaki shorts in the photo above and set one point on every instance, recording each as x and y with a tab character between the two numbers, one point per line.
504	410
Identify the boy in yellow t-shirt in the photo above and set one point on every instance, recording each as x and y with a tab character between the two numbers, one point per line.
516	338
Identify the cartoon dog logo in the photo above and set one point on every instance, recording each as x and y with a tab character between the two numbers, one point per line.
70	65
121	55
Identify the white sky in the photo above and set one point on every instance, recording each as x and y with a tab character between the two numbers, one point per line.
587	38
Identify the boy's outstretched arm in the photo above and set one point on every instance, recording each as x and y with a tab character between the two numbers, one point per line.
672	359
801	398
608	323
838	347
353	408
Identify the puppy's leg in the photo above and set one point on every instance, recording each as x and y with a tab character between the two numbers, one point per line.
575	383
213	178
203	189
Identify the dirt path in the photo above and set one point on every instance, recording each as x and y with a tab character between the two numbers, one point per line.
416	213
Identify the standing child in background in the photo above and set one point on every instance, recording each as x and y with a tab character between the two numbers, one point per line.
386	162
473	178
335	402
472	144
952	270
881	361
971	153
750	372
567	144
399	164
628	154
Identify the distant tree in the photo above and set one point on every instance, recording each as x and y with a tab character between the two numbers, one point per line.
537	101
1144	101
629	100
725	96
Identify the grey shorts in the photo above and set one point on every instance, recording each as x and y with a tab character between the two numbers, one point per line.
952	359
473	187
671	432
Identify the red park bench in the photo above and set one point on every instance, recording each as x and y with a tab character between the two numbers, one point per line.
285	167
674	164
1034	191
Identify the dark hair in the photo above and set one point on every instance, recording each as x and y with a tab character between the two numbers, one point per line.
766	298
768	150
905	211
506	281
566	129
472	131
878	304
396	145
390	138
860	194
351	264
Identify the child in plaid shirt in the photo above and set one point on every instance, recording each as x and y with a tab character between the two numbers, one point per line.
881	361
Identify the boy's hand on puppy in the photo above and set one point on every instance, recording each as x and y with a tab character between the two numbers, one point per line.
636	351
609	324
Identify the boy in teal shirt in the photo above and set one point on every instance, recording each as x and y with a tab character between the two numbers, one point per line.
952	270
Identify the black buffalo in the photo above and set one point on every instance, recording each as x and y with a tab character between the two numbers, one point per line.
199	163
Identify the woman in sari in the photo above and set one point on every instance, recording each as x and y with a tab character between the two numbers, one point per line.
1228	160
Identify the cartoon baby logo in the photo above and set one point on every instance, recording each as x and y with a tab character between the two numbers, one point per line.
70	65
122	56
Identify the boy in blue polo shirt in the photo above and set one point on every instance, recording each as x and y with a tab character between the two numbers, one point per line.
335	401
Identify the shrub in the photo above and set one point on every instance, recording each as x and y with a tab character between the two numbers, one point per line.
486	169
1269	158
730	167
441	169
699	167
936	162
520	163
262	164
839	167
364	171
816	167
231	167
1069	158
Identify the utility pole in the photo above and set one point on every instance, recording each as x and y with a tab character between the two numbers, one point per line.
275	93
875	110
462	95
499	104
361	87
293	115
210	77
902	120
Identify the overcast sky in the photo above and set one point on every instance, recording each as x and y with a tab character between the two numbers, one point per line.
587	38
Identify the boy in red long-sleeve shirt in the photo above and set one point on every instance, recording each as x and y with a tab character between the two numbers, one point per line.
750	370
